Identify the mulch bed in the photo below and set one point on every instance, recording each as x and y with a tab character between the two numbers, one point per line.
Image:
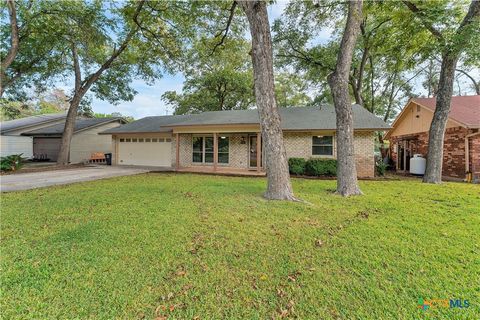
45	168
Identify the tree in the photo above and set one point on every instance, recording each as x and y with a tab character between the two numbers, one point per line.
347	183
215	80
110	46
452	42
279	186
14	42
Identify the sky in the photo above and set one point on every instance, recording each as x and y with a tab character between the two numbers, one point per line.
148	101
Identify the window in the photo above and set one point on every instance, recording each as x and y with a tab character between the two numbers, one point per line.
322	145
127	140
122	140
140	140
134	139
161	140
168	140
203	150
154	140
147	140
223	149
198	149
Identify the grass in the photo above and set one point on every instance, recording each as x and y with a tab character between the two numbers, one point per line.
186	246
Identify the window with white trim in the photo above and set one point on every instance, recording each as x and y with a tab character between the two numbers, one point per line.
202	151
322	145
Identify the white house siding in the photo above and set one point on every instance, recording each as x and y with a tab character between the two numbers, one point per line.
86	142
16	145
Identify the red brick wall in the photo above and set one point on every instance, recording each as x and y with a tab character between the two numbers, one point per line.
453	150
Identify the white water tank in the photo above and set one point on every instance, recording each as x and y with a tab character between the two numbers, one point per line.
417	164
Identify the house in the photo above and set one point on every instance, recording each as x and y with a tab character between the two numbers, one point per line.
229	141
461	154
45	136
11	140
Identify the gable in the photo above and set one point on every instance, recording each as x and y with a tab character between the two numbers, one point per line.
413	119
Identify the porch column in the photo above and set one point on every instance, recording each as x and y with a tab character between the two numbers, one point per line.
177	151
259	151
215	151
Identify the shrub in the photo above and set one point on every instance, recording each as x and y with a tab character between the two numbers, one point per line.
381	168
321	167
297	166
12	162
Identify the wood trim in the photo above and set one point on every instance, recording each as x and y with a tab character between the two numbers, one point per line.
177	151
259	152
215	151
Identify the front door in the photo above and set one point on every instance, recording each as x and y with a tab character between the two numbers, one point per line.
252	152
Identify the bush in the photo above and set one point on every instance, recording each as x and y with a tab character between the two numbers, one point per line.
297	166
321	167
381	168
12	162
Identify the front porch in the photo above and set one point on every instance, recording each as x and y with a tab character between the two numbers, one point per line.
227	171
223	153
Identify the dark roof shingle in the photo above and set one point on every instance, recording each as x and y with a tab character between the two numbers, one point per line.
308	118
26	122
80	124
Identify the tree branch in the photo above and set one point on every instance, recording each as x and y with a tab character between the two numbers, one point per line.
424	20
15	41
227	27
76	68
475	83
116	52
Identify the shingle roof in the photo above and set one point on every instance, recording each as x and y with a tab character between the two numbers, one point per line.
80	124
308	118
16	124
464	109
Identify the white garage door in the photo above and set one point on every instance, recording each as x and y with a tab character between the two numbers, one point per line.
145	151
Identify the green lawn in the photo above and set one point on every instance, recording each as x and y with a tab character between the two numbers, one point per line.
187	246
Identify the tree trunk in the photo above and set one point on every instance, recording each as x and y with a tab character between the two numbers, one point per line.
347	183
64	153
276	164
433	171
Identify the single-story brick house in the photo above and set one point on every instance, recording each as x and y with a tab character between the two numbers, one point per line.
461	154
40	136
229	141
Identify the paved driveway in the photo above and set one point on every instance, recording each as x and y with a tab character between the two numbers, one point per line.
25	181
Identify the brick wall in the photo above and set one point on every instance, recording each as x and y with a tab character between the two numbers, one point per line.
364	156
453	150
297	145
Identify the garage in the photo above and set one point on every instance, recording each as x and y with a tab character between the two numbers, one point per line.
145	151
46	148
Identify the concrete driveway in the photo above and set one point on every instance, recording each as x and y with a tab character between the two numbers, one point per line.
33	180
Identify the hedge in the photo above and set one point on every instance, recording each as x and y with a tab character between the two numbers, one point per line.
321	167
313	167
297	166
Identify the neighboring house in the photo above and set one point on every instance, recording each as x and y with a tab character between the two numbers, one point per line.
11	141
409	135
46	137
229	141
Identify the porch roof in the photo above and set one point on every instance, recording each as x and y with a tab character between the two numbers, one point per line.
306	118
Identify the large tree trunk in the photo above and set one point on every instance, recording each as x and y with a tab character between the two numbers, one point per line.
433	172
347	183
276	164
64	153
